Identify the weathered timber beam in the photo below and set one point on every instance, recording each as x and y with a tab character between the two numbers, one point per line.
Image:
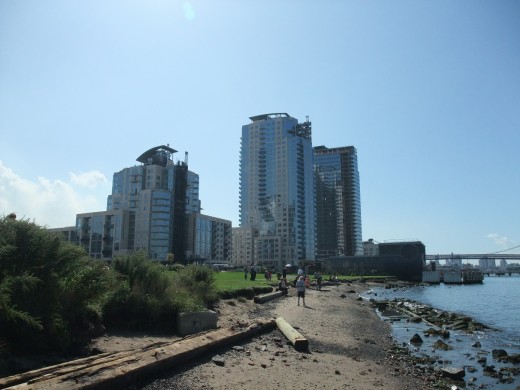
267	297
122	369
70	366
299	342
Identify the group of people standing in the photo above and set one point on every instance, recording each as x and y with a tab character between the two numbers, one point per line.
301	282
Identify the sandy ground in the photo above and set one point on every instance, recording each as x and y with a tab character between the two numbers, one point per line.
349	348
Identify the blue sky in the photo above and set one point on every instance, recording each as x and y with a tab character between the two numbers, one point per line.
427	91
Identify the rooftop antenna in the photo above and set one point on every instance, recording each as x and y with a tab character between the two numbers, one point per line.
186	158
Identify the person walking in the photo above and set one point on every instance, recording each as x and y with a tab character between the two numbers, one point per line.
245	272
300	289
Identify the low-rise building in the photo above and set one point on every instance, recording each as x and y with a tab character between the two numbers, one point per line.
208	239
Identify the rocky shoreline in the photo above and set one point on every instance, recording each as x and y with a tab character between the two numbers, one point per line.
437	337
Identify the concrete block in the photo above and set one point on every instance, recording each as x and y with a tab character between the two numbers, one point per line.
190	323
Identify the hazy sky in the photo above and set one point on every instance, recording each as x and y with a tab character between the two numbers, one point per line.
427	91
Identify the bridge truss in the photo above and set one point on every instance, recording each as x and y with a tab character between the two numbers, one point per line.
489	256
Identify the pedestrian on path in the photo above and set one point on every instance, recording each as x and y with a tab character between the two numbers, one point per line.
300	288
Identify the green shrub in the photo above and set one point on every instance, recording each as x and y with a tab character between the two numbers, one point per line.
149	296
138	301
199	281
50	291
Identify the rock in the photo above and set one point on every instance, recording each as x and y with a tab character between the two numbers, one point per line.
416	339
439	344
432	332
218	360
499	354
456	373
515	359
476	345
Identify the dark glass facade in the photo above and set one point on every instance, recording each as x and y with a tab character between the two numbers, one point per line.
338	202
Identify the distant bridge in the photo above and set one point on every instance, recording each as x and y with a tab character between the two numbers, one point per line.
490	256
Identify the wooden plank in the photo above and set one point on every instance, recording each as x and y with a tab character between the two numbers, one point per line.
267	297
124	368
299	342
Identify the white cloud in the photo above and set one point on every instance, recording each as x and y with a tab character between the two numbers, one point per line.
52	203
88	179
501	240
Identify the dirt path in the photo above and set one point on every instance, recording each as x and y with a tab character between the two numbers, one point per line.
349	348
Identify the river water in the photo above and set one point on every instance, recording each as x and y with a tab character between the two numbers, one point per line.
495	303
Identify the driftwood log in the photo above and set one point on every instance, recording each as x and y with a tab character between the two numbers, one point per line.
120	369
267	297
299	342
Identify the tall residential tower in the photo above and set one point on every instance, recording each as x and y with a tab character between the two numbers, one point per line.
277	189
159	194
338	202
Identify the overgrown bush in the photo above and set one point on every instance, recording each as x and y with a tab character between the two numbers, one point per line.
149	296
139	298
199	283
51	293
53	297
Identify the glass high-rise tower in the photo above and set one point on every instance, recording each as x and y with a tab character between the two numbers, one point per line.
277	189
338	202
